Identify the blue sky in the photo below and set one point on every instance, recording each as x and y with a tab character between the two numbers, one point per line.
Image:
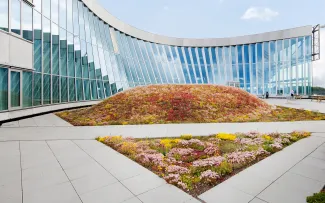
216	18
222	18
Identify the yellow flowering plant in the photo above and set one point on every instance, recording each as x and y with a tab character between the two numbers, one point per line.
226	136
186	136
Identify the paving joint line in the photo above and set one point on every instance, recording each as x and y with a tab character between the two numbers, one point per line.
63	170
106	170
21	176
287	171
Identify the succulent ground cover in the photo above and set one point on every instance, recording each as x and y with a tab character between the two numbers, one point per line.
196	164
159	104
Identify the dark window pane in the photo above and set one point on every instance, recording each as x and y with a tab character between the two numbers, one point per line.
3	89
37	93
27	89
15	16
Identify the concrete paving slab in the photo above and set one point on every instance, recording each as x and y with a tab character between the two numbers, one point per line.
290	188
133	200
143	183
309	172
92	181
257	200
28	122
318	155
165	193
317	163
225	193
114	193
11	193
193	201
13	124
63	193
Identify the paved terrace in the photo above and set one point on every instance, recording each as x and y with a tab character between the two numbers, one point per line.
44	159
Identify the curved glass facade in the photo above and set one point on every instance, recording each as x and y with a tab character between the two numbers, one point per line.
79	57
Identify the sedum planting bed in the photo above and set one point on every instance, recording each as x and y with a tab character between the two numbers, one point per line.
160	104
196	164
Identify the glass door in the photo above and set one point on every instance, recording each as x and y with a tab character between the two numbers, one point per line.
15	89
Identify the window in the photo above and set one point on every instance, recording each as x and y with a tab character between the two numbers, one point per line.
63	13
15	16
46	8
27	21
54	11
37	24
4	16
15	88
27	89
55	49
3	89
46	89
46	45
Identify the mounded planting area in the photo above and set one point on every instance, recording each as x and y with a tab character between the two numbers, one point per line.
196	164
159	104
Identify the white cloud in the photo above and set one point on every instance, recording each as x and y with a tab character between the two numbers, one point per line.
265	14
166	8
319	66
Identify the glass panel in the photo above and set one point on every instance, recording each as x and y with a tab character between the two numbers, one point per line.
46	8
69	16
55	49
84	59
75	18
46	89
93	90
37	93
64	89
37	24
71	71
55	11
221	66
184	66
247	68
15	16
27	21
63	52
208	65
215	65
77	51
240	66
55	89
63	13
27	89
46	45
202	65
189	64
3	89
72	90
234	63
38	5
4	17
87	89
80	95
15	88
100	90
177	64
107	88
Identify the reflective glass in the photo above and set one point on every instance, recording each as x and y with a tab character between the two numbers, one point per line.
55	11
37	93
93	90
196	65
46	45
55	49
72	90
100	89
221	65
247	62
215	65
37	26
202	65
208	65
80	95
3	89
170	63
55	89
4	16
75	18
64	89
15	16
234	63
184	65
15	88
165	66
189	65
69	16
107	88
27	21
241	66
63	52
87	89
177	64
27	89
46	8
84	59
259	69
63	13
77	55
37	3
71	68
158	62
46	89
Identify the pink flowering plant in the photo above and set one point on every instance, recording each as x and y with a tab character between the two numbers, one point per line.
196	164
